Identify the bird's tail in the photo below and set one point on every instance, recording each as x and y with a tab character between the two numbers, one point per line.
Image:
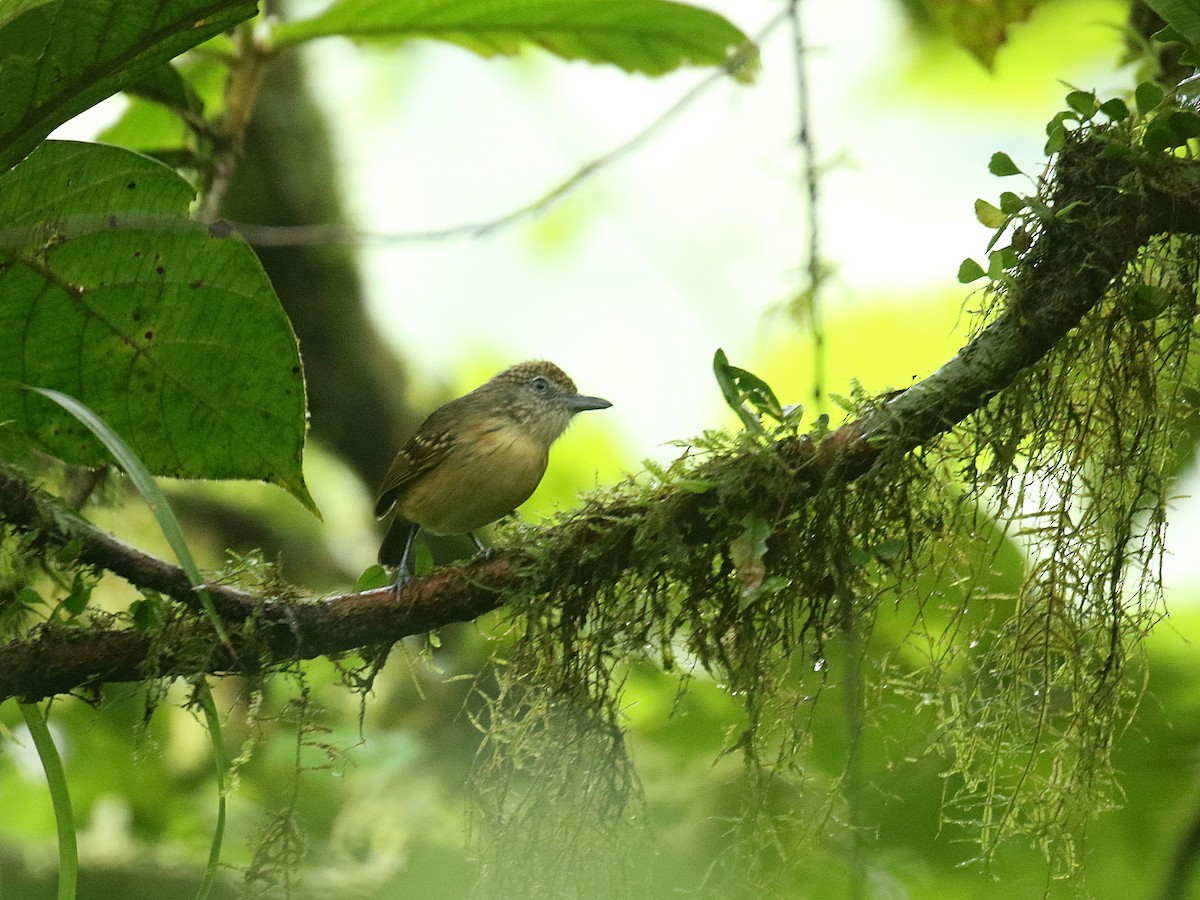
396	542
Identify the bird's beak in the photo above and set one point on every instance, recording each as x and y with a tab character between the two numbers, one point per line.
579	403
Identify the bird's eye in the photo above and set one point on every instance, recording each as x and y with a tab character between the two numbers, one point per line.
539	385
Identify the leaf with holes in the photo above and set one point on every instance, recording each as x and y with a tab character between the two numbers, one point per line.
169	331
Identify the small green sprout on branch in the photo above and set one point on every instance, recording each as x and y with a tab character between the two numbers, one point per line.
752	398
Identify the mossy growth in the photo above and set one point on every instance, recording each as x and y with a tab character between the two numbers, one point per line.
993	584
738	564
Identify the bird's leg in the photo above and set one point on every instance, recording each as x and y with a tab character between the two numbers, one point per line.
402	573
479	545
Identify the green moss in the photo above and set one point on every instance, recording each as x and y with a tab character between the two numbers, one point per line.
733	563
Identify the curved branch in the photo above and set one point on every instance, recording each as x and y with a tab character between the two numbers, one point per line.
1064	275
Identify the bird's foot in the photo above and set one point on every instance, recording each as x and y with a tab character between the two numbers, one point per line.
484	550
402	578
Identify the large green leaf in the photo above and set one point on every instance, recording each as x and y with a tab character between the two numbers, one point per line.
1183	16
10	9
170	332
59	57
651	36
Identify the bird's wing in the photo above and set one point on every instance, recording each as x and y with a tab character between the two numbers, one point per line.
422	452
425	450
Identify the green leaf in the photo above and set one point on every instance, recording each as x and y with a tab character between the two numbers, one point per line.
1046	213
889	550
1115	109
1011	204
858	557
170	333
70	551
27	596
60	57
1167	35
1083	102
1147	301
147	613
76	602
1158	136
11	9
650	36
727	381
163	84
421	560
741	387
1183	16
1056	137
1184	124
695	485
1148	96
746	552
989	215
153	129
999	261
820	428
153	123
969	270
1001	164
374	576
884	552
1059	121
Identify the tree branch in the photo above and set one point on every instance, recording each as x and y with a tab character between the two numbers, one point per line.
1066	273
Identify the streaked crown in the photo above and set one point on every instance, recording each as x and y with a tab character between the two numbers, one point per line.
538	378
539	396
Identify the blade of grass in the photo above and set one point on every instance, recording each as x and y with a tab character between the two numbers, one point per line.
157	501
148	488
60	798
220	764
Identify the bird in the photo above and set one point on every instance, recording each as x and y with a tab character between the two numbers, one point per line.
476	458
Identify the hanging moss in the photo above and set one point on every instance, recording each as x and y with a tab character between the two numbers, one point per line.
735	563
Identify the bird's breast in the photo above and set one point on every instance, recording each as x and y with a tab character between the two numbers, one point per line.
479	481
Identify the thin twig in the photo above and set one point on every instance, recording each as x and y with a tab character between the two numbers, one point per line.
333	234
808	155
247	69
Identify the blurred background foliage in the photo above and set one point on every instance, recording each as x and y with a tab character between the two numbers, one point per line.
696	239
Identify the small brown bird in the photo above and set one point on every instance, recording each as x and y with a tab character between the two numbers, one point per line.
477	458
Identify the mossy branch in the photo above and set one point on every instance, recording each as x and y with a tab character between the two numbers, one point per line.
1108	208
